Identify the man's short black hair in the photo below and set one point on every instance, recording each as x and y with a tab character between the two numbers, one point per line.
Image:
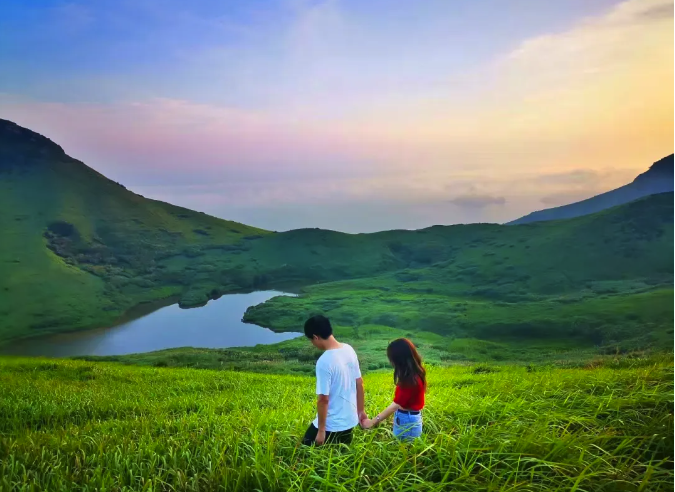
318	325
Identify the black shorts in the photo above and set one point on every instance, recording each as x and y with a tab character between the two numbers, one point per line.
337	437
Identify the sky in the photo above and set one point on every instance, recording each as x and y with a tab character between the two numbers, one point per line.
343	114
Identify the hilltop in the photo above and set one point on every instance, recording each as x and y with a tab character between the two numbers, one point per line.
657	179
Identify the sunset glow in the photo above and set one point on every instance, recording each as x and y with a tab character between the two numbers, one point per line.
348	116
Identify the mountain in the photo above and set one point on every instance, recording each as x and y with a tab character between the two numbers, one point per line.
658	179
79	250
70	236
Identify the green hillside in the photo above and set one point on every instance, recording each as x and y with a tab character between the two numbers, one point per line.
67	425
77	246
556	291
79	250
596	280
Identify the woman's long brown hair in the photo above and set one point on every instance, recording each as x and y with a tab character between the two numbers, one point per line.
407	363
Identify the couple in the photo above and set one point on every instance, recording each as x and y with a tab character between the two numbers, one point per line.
339	389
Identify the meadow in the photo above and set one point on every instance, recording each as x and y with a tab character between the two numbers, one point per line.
78	425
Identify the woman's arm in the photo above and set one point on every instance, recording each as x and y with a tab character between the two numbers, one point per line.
383	415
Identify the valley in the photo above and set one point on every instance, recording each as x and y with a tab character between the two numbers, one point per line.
81	250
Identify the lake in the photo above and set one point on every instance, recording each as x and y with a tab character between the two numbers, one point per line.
216	325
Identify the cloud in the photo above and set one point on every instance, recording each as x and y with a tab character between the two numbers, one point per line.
573	186
576	177
597	93
648	10
346	205
608	42
477	201
565	198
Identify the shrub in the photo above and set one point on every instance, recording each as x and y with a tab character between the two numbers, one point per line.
62	228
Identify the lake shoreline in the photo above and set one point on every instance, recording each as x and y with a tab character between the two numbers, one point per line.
143	308
218	324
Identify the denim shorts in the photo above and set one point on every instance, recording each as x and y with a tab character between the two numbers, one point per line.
407	427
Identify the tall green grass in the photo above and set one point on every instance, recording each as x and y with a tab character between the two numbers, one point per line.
77	425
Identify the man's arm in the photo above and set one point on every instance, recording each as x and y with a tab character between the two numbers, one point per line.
360	399
323	378
322	411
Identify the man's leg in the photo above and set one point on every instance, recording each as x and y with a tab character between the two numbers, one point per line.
310	435
339	437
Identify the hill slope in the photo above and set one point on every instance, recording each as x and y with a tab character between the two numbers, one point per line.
658	179
68	232
602	281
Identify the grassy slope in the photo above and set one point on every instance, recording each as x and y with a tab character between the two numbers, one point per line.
120	234
67	425
572	286
633	241
560	291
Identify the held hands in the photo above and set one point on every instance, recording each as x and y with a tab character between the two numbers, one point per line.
365	422
363	417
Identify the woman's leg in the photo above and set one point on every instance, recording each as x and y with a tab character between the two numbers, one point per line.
407	427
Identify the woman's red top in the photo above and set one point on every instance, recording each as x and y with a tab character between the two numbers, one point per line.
410	397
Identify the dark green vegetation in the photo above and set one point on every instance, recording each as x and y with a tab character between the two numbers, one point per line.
70	425
487	293
79	250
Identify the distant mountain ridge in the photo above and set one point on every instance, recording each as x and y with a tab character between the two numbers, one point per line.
657	179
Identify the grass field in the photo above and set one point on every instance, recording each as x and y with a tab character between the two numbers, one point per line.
75	425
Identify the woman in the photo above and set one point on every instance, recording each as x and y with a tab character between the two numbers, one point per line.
411	383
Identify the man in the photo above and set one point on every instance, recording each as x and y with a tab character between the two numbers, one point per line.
339	387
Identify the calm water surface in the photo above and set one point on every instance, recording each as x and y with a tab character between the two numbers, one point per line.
216	325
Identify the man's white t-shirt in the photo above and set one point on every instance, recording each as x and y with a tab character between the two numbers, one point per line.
336	373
